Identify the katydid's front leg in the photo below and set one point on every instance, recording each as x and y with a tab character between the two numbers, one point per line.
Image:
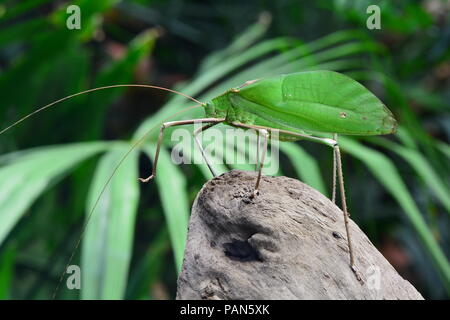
257	150
161	134
260	164
196	132
333	192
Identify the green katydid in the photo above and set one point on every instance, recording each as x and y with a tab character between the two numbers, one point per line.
296	106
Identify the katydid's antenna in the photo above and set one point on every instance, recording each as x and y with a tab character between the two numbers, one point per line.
92	90
97	201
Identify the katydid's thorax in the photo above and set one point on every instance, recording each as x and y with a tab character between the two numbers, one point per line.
222	107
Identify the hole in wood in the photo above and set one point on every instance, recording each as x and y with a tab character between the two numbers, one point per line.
241	251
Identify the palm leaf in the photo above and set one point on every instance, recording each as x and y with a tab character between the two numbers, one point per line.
23	180
384	170
172	192
108	242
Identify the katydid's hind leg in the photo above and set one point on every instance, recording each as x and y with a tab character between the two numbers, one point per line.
265	135
340	175
161	134
199	144
333	192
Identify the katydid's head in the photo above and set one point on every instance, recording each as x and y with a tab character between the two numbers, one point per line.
217	107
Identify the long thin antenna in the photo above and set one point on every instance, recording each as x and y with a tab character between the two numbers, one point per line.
133	147
92	90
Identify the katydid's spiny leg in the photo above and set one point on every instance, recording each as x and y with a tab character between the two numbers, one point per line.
161	134
158	146
265	134
333	192
196	132
344	209
257	150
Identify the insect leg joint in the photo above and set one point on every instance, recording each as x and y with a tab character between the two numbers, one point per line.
330	142
264	132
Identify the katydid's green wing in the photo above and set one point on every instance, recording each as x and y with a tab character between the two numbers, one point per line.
316	101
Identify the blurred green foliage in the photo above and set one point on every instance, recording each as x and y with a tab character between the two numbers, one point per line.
55	165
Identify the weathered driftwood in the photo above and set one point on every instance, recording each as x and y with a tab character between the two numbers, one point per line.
287	243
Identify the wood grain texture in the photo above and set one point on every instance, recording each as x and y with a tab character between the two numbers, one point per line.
287	243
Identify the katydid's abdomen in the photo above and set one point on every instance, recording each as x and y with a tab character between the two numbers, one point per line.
316	101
